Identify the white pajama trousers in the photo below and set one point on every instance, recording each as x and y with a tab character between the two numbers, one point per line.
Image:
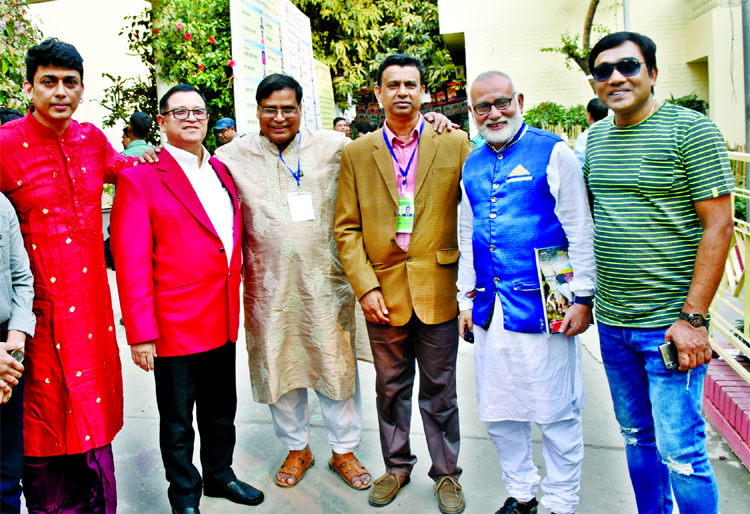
342	419
562	447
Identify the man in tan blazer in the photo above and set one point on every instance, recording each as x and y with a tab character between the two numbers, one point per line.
403	270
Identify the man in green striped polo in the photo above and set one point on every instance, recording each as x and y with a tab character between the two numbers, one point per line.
661	183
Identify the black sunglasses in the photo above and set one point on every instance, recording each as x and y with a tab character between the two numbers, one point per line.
628	67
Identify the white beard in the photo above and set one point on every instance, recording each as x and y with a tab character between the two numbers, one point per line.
513	124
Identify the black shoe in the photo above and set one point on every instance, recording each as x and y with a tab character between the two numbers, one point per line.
186	510
511	506
235	491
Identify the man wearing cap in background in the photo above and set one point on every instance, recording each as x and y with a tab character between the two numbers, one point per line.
225	130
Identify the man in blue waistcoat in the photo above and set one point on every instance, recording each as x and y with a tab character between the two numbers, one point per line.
524	190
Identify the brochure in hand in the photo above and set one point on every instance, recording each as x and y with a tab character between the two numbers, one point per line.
555	275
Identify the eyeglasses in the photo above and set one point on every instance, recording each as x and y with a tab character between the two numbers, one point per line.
183	114
286	112
500	104
627	67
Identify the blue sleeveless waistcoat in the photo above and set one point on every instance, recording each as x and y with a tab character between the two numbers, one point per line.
514	213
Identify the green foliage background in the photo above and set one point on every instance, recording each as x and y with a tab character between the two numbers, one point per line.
190	41
17	34
354	36
548	115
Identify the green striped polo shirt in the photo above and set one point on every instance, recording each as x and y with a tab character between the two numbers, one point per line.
645	180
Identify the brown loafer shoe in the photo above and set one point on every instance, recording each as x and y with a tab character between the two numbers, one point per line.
450	496
386	488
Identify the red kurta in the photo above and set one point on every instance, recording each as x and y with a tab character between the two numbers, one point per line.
73	390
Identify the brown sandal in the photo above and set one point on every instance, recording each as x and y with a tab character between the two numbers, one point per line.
296	464
350	468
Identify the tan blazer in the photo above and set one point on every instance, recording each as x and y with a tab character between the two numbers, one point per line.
424	278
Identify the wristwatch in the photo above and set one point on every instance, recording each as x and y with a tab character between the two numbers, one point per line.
696	319
584	300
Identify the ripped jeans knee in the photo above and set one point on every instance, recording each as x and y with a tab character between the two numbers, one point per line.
635	436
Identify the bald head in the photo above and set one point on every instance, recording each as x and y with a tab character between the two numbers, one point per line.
491	75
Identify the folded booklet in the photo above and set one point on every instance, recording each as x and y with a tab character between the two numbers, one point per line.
555	275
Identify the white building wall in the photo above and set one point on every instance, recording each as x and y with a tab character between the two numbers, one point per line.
508	36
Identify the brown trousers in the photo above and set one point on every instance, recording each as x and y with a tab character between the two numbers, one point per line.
394	351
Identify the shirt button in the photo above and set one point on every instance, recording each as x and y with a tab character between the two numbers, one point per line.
52	279
85	270
499	156
493	215
496	280
98	400
221	250
492	247
72	309
408	259
91	336
111	329
33	247
393	241
68	241
79	374
88	437
495	186
46	380
493	199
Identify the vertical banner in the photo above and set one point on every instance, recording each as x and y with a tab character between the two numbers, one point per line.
325	95
270	36
299	56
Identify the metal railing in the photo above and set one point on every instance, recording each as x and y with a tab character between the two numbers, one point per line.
732	295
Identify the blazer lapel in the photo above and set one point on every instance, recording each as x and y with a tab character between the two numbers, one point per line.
384	161
177	182
427	150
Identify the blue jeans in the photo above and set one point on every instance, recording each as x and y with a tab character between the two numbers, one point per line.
659	413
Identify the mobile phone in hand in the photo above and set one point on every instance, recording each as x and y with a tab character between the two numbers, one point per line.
669	355
469	336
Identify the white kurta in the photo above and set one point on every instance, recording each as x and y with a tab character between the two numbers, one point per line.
533	377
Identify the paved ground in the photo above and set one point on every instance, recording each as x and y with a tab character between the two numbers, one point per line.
605	485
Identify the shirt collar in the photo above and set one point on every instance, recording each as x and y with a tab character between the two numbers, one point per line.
185	159
414	134
46	132
137	142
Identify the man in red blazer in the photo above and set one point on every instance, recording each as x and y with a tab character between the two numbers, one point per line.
176	228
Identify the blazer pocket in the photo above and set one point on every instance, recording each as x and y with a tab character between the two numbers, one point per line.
179	287
447	256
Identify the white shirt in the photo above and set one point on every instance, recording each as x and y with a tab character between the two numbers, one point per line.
214	197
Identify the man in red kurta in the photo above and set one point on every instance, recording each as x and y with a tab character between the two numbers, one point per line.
52	169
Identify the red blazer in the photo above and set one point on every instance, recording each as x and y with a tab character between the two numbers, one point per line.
175	285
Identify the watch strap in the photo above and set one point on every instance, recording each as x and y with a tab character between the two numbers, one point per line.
695	318
584	300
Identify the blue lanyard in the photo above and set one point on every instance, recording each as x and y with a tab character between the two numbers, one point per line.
404	173
299	151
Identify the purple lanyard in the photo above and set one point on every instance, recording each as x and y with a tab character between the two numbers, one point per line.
404	173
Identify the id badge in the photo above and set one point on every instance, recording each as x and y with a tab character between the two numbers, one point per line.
301	206
405	222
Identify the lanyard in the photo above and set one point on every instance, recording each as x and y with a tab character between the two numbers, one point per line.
404	173
299	173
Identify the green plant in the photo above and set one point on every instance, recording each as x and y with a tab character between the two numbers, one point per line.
17	34
570	48
690	101
354	36
181	41
126	96
549	116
